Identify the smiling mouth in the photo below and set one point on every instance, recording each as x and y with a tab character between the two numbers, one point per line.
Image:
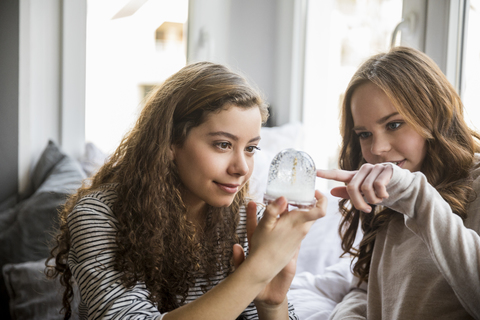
398	163
228	188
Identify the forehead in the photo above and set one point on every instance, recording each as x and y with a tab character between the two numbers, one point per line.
234	118
369	102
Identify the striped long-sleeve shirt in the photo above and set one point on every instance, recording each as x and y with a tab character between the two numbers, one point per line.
93	227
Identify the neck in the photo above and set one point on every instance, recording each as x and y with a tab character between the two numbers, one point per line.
197	213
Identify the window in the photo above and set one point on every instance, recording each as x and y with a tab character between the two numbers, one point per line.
131	47
169	36
471	66
341	34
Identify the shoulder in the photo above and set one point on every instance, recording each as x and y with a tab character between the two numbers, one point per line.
260	209
97	204
105	194
242	223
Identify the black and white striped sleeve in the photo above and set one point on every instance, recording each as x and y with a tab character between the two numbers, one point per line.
103	296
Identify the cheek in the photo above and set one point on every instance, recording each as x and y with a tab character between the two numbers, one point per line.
209	163
192	163
416	144
365	147
251	165
422	147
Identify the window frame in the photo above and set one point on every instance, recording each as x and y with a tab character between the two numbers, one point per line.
440	33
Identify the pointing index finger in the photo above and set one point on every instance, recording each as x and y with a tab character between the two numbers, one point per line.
336	174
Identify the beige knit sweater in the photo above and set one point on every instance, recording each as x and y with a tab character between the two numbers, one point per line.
425	263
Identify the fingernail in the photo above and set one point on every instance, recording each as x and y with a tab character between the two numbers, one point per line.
280	201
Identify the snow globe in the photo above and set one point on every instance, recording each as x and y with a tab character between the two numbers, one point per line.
292	174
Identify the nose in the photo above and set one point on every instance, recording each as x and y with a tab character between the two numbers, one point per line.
380	144
239	164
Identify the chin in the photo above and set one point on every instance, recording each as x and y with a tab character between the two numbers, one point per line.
221	204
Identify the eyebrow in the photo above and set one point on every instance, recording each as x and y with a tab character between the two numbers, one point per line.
379	121
229	135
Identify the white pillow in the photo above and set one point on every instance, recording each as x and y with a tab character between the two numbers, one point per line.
92	159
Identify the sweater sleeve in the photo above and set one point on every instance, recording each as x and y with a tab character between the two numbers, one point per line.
453	245
92	230
354	303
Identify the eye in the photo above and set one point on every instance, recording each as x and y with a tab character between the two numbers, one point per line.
364	134
394	125
223	145
252	149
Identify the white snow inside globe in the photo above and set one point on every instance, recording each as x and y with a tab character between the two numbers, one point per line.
292	174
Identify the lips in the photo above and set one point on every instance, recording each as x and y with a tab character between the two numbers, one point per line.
398	163
228	188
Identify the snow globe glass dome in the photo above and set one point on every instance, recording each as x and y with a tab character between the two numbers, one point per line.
292	174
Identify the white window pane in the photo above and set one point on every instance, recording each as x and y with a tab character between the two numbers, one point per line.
341	34
131	46
471	66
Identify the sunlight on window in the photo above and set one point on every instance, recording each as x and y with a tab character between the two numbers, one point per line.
471	67
341	34
132	45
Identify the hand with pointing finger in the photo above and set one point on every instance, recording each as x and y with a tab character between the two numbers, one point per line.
364	186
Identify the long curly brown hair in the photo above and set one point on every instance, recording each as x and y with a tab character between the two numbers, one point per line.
151	215
427	101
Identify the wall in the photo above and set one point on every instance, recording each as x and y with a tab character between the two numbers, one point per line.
9	31
42	75
252	45
39	78
258	38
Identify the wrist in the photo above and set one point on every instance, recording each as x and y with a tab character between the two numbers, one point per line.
259	269
267	310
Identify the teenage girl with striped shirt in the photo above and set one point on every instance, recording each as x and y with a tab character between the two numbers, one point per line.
161	231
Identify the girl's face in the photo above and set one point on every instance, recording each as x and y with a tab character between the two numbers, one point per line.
216	159
384	135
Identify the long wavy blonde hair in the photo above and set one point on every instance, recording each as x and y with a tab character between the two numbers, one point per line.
151	214
427	101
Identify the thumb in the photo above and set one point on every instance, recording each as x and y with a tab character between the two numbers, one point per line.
340	192
273	210
238	255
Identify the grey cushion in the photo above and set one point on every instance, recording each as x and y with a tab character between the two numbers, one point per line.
32	295
26	229
48	160
10	202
